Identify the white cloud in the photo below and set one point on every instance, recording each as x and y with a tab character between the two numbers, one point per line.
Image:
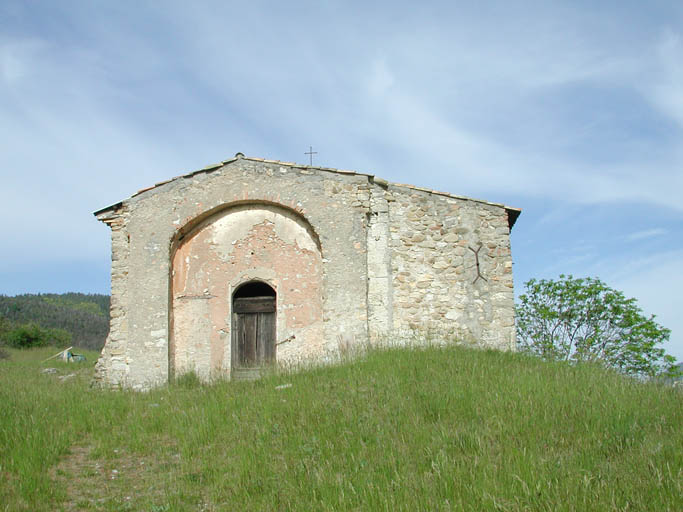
647	233
414	92
17	59
667	87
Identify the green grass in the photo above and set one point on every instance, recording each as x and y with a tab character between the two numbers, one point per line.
425	429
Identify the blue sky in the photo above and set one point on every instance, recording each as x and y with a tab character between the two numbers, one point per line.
572	111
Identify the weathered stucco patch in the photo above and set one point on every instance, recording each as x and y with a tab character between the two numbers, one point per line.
248	242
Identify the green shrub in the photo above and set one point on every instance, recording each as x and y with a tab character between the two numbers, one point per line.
33	335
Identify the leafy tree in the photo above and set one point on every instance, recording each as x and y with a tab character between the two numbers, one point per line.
583	319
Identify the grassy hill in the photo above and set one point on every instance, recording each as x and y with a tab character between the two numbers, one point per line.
429	429
85	316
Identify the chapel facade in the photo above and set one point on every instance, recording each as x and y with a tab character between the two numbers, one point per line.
253	262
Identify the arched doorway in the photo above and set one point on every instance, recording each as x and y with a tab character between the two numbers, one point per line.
253	329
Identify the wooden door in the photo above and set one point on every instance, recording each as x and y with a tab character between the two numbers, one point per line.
253	332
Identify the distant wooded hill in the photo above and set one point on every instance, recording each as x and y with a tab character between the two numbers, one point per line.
85	316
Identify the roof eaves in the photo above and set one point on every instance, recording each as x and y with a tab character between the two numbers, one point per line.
513	214
109	208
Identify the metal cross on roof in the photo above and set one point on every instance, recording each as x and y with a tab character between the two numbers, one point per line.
310	153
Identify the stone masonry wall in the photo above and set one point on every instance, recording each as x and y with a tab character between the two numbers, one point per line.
394	259
436	285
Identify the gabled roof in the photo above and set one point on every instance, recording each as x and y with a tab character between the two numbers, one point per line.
513	213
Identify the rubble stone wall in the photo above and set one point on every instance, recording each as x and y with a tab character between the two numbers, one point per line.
451	267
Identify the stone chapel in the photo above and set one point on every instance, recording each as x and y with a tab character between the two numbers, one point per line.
252	262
